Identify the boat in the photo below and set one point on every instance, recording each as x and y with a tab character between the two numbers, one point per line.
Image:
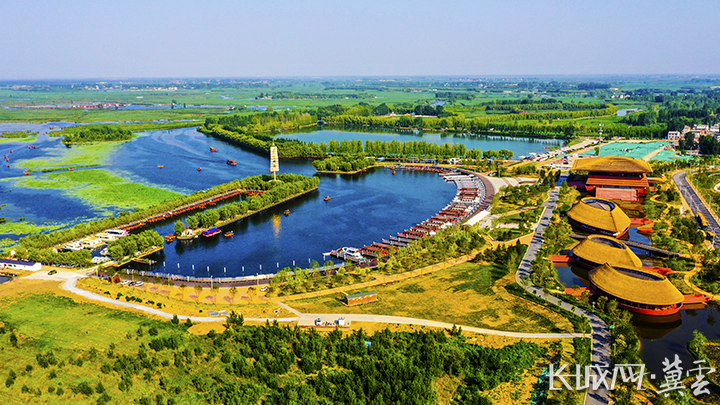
231	162
70	169
287	212
393	172
170	238
213	150
26	173
229	234
327	198
199	169
160	166
117	232
211	232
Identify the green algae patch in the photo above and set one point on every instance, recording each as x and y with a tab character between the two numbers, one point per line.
100	188
61	155
24	228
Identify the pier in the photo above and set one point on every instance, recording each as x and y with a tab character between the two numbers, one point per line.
198	205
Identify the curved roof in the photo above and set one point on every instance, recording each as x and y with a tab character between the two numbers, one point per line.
600	214
606	249
613	164
636	285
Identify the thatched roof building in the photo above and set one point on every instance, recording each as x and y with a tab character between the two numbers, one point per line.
598	215
612	164
616	177
637	290
599	249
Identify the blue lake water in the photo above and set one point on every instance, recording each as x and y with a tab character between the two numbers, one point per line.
519	146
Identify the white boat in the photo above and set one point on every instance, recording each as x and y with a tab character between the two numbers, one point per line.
117	232
73	246
106	237
104	252
91	243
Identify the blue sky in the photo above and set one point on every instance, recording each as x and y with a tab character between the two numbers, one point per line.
53	39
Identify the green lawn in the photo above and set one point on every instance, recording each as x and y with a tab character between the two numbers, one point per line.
465	294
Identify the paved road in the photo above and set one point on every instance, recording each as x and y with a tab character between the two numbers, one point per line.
696	204
600	332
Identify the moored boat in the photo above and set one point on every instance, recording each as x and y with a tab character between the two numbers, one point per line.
287	212
199	169
170	238
211	232
327	198
160	166
229	234
213	150
26	173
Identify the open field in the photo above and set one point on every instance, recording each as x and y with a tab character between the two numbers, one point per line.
188	301
466	294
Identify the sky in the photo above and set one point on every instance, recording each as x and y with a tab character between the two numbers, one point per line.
53	39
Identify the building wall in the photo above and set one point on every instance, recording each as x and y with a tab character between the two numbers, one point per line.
616	194
362	300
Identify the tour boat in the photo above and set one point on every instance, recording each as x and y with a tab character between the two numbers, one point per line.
211	232
327	198
232	162
170	238
393	172
117	232
213	150
160	166
26	173
287	212
229	234
199	169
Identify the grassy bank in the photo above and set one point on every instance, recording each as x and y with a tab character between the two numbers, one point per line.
466	294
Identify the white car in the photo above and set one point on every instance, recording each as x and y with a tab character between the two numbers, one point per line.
263	289
138	283
124	282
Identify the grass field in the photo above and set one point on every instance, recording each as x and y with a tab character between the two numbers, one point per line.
466	294
99	188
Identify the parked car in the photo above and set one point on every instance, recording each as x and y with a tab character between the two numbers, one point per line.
51	272
138	283
263	288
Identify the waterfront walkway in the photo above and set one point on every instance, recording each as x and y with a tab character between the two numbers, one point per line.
601	339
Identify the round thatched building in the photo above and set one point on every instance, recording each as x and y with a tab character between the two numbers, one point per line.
598	215
637	290
600	249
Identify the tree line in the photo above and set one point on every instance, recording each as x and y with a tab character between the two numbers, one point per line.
163	364
98	134
344	163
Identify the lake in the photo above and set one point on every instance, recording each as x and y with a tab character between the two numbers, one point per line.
519	146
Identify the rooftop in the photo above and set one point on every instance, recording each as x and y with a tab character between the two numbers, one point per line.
360	295
636	285
600	214
612	164
606	249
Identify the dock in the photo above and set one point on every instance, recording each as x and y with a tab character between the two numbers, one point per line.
471	198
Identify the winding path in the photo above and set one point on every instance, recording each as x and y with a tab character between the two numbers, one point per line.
601	352
309	319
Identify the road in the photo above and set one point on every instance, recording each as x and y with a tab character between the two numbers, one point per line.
601	340
697	204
